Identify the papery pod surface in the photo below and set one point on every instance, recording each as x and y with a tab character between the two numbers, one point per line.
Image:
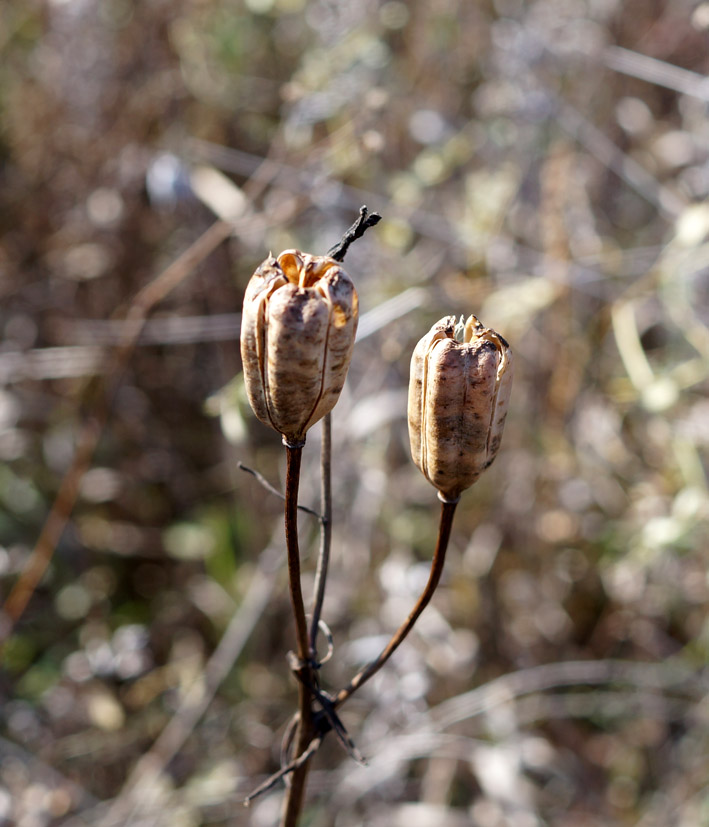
297	332
458	397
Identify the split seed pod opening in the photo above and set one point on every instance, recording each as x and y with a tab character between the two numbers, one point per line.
297	332
458	397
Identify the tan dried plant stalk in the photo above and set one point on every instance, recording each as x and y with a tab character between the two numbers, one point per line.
299	321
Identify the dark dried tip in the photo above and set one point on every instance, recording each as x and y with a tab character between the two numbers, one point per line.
357	230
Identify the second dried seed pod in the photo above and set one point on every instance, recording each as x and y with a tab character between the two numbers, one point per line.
297	332
461	376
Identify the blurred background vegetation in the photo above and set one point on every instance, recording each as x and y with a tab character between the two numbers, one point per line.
543	164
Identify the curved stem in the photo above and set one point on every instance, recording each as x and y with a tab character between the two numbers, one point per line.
296	791
325	531
439	557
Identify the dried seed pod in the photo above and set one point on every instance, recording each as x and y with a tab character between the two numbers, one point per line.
458	396
297	332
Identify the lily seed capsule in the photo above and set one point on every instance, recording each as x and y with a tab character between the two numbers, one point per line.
461	376
297	332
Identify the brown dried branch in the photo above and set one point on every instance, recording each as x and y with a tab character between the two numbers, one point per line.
273	490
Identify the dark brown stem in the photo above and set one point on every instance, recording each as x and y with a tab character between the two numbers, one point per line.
325	531
439	557
293	459
296	790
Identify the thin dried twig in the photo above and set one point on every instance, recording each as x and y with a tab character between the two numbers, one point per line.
325	533
327	711
357	230
324	721
273	490
295	764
